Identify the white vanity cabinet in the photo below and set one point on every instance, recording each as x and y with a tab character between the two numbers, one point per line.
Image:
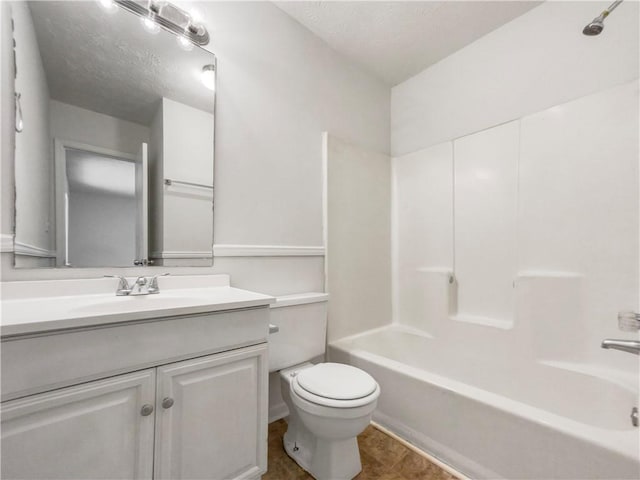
163	398
93	430
211	417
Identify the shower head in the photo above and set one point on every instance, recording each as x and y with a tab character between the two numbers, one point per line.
595	27
597	24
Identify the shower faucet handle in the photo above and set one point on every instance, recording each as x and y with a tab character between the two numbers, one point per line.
629	321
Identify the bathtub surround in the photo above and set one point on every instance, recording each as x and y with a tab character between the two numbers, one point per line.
530	200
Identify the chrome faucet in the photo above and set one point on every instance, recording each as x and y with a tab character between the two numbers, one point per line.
628	322
141	286
630	346
146	285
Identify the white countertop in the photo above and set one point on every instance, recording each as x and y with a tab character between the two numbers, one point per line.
36	307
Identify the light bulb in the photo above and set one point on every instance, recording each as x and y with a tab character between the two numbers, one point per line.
108	5
184	43
209	76
150	25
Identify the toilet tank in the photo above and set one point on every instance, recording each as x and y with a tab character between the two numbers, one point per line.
302	329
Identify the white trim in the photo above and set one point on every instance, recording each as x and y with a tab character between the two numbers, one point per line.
177	254
21	248
6	242
267	251
300	299
276	412
325	204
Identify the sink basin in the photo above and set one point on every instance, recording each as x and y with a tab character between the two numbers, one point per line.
140	302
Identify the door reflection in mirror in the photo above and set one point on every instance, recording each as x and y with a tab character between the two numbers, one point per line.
102	213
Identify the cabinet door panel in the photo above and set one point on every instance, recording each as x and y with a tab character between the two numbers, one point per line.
94	430
216	426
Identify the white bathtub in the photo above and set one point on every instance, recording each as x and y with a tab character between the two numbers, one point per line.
490	417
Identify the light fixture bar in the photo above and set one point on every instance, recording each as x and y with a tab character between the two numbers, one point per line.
195	33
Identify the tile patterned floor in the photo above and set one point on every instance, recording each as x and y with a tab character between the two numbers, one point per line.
383	458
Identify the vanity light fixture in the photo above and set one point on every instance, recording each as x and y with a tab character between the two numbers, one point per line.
156	14
149	20
108	5
149	24
209	76
184	43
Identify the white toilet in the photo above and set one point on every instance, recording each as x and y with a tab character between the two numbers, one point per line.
329	404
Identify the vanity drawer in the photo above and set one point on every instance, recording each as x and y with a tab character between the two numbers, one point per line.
34	364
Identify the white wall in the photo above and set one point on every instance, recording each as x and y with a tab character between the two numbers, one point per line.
538	60
69	122
33	166
279	88
358	238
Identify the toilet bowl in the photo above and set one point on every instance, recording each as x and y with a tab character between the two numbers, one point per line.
330	404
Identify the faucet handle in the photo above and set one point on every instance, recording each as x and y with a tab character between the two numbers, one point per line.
153	283
123	286
629	321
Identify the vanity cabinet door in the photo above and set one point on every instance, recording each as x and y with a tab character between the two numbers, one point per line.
94	430
212	417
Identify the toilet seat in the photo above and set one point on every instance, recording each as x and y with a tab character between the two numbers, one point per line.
335	385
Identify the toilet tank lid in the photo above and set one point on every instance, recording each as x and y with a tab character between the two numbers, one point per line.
336	381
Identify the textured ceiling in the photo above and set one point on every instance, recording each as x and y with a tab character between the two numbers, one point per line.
109	64
396	40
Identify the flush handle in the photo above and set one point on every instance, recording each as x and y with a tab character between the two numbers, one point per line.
146	410
167	402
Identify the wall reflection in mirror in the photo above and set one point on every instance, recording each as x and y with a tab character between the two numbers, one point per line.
114	163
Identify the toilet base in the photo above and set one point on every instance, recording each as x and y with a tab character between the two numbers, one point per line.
300	454
329	460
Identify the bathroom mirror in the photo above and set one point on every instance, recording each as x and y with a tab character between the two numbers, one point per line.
114	160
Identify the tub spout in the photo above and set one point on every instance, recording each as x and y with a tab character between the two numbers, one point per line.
631	346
